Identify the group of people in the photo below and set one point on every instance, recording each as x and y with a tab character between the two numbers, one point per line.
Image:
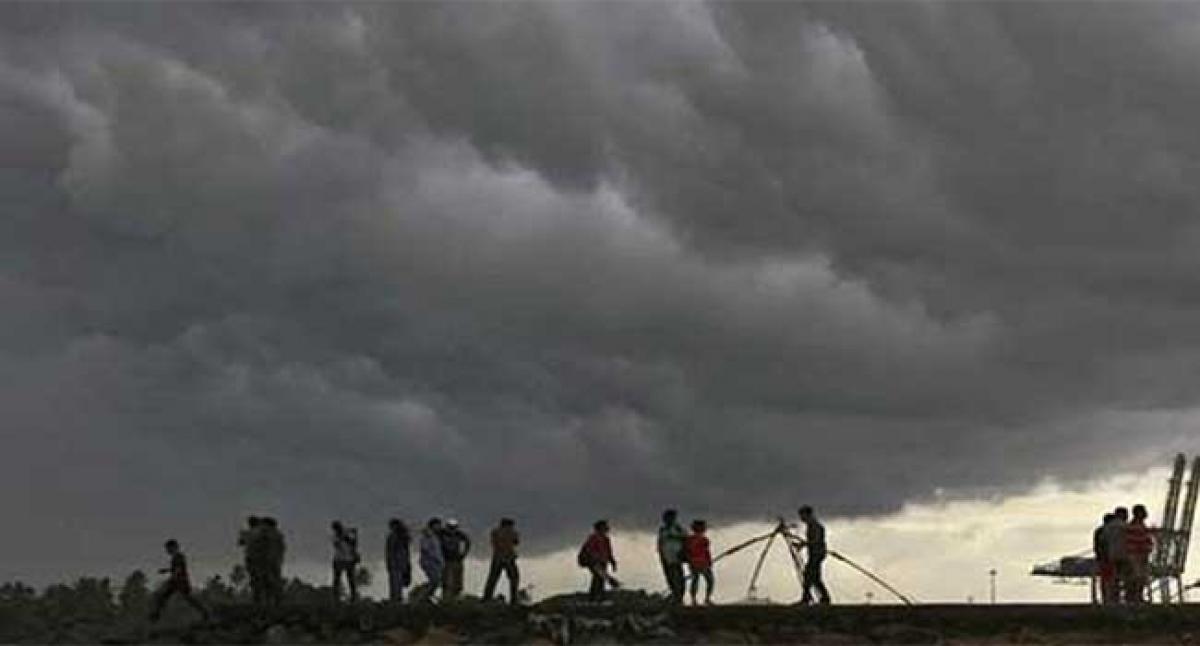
443	546
677	548
263	549
1122	546
442	549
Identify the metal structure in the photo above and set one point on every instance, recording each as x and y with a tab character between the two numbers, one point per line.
1171	542
795	545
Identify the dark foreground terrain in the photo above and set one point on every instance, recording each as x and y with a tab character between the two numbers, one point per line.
635	618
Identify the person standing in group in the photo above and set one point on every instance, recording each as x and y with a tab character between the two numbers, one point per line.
670	553
699	559
504	559
399	563
1138	545
274	550
431	560
177	583
1104	565
345	560
254	557
596	555
455	547
1114	544
814	537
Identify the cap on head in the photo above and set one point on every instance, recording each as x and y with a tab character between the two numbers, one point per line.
507	522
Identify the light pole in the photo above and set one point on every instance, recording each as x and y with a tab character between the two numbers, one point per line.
992	574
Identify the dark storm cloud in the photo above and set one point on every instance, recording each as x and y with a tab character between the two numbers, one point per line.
579	259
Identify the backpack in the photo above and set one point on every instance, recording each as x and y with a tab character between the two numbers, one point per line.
584	558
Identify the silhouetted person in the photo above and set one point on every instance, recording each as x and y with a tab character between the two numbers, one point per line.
670	553
345	560
1114	541
253	541
699	559
431	560
1104	565
275	548
399	563
597	556
455	547
177	583
504	559
1138	545
814	537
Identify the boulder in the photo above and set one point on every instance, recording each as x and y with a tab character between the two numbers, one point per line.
904	634
277	634
399	636
438	636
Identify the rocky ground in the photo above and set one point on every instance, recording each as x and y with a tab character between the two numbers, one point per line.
633	618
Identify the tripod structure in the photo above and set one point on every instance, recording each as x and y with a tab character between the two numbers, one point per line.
795	545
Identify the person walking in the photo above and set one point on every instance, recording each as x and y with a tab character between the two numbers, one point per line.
399	563
431	560
814	537
699	560
504	560
1138	545
274	549
1104	565
177	583
455	547
345	560
597	557
670	553
1114	542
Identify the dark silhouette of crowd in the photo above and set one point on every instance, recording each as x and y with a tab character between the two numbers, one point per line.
442	547
1122	546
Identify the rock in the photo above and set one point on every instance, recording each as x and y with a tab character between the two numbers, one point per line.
437	636
662	632
277	634
593	624
835	638
399	636
904	634
725	637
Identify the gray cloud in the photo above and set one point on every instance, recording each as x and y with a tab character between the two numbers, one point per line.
578	259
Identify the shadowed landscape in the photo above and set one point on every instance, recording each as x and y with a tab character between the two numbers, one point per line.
91	611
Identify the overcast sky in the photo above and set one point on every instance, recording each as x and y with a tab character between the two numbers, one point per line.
563	261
